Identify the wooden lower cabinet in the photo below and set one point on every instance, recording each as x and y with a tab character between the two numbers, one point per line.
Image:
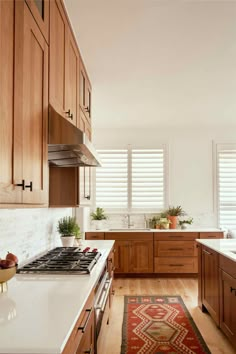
228	298
133	252
82	337
210	282
217	289
175	252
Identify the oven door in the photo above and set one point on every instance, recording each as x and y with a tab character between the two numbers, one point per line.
102	304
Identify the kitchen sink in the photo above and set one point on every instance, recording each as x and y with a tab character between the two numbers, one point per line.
131	230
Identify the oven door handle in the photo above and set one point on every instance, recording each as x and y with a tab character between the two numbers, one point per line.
105	296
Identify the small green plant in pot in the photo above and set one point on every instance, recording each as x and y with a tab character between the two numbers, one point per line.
68	229
173	213
98	216
184	224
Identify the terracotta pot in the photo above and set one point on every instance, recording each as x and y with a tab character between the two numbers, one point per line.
174	221
157	226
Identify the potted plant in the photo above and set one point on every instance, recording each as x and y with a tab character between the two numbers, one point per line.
172	215
98	216
163	223
68	229
185	223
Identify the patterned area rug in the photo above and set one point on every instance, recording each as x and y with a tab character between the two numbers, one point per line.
159	324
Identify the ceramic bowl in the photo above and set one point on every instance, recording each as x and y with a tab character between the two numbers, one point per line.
7	274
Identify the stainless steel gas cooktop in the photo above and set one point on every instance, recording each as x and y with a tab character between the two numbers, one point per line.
63	260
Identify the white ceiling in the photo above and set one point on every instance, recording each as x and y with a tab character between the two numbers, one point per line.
158	62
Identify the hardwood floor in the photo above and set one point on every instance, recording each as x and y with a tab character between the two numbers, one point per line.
110	341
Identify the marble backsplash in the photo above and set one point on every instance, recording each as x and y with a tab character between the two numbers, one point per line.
27	232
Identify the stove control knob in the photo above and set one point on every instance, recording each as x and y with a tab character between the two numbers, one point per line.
95	250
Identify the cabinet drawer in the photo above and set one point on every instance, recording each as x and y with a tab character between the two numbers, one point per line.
164	236
228	265
211	235
119	236
176	265
94	235
175	248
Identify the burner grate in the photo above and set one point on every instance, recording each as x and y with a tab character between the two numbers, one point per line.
62	260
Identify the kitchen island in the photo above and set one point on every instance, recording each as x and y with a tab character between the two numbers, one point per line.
217	283
40	311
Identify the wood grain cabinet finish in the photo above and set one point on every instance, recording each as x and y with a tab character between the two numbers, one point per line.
82	337
85	93
210	282
175	252
63	64
26	178
40	12
10	147
70	186
94	235
228	298
134	251
219	234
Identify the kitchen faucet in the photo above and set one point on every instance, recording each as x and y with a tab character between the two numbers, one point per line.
128	221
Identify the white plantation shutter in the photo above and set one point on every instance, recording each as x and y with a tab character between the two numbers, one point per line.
147	179
112	179
226	185
131	180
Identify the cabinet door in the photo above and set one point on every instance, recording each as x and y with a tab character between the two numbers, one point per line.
210	282
72	79
40	12
10	148
228	305
63	191
31	100
87	342
122	256
85	186
85	93
141	257
57	60
84	125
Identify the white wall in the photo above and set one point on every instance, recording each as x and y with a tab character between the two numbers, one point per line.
191	167
27	232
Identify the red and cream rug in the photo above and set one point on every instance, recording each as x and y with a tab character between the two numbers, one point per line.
159	325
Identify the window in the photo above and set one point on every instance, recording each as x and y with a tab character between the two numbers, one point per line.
226	184
132	180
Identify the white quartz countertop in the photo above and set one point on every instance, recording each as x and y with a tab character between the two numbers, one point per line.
222	246
157	230
38	312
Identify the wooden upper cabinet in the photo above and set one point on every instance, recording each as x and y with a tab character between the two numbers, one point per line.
8	152
31	106
85	93
72	79
57	61
40	12
23	79
64	65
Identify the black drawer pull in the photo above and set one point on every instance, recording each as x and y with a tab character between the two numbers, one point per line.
176	265
232	289
176	249
21	184
83	328
30	186
178	236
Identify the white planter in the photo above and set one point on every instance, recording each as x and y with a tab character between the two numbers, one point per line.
67	241
98	224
